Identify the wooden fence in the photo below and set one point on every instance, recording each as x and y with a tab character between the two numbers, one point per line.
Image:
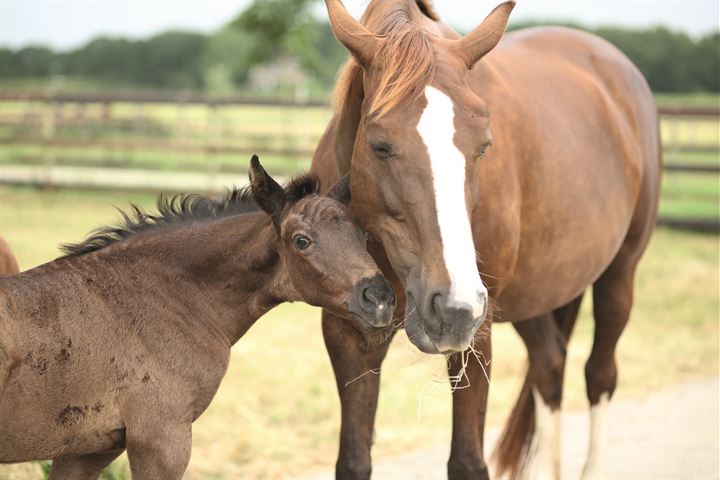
191	141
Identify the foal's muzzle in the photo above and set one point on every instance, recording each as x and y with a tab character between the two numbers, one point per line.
373	300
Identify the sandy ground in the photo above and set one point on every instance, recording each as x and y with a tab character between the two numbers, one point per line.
671	434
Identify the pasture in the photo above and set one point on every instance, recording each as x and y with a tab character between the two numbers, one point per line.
112	144
277	413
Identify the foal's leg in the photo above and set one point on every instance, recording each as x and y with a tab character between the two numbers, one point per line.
357	373
84	467
470	396
157	449
612	301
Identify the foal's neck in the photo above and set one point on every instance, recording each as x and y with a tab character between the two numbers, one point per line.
226	270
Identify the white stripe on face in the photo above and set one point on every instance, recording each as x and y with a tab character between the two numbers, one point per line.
447	163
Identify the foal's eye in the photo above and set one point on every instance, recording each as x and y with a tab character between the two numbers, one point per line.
301	242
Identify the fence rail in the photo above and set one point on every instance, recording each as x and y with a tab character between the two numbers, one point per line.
174	98
107	140
192	98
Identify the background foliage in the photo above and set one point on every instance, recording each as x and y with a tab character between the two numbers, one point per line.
271	29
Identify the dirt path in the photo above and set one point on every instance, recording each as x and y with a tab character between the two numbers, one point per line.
670	434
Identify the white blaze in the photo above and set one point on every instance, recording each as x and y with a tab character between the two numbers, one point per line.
437	130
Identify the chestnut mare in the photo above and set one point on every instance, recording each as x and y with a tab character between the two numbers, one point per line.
123	343
565	199
8	263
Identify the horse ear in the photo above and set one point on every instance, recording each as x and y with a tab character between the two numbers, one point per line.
269	195
348	119
361	43
473	46
341	190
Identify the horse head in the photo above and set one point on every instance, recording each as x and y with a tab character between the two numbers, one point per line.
411	131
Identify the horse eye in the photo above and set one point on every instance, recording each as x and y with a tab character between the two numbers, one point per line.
301	242
382	150
483	149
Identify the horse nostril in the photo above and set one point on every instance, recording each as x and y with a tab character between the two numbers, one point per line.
483	303
435	304
369	298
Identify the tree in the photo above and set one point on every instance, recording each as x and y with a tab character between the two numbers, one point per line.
36	61
106	58
226	59
270	23
10	66
706	62
174	59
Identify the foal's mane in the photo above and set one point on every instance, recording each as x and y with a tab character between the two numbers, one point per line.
406	55
184	208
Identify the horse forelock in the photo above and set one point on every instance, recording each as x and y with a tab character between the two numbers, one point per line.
406	56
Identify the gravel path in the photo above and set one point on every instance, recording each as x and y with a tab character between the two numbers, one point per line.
671	434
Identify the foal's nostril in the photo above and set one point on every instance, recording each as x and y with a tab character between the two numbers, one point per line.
377	295
369	298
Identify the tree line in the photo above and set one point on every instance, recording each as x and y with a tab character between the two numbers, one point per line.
270	29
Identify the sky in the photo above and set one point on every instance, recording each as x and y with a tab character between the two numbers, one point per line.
67	24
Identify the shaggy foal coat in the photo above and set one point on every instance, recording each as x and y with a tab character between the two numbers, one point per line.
123	343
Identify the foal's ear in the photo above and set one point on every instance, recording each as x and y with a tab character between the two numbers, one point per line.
341	190
267	192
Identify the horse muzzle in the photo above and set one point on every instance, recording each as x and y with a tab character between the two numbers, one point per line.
441	326
373	300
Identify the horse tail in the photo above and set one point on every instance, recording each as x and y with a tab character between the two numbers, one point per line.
513	450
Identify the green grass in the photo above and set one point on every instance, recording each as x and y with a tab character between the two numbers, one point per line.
695	99
254	128
277	414
690	195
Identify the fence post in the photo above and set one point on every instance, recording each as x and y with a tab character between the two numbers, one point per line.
211	140
52	112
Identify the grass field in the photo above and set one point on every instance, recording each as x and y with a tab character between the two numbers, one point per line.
128	140
277	413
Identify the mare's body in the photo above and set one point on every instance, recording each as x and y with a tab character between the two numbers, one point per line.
565	198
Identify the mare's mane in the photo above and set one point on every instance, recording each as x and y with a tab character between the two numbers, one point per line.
406	55
183	208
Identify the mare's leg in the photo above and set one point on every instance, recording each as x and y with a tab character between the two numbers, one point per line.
612	301
546	351
467	459
357	373
157	449
530	443
83	467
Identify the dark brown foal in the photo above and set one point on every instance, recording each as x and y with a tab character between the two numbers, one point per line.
123	343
